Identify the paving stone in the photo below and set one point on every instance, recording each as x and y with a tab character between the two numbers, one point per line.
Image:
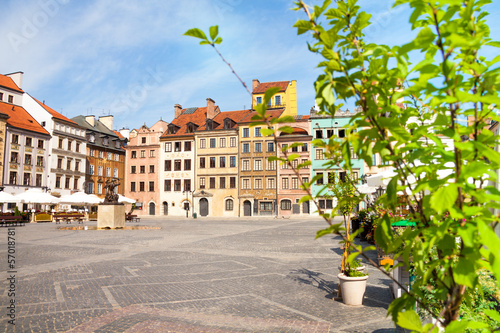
192	275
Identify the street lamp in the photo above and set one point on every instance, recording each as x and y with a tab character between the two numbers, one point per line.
187	201
379	191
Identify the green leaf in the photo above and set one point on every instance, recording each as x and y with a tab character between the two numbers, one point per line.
197	33
333	229
267	131
392	190
286	129
464	272
444	198
409	320
457	326
214	31
302	26
352	256
305	198
269	94
492	314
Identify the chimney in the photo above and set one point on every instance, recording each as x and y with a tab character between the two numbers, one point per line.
177	110
17	77
125	132
90	120
211	113
107	121
255	83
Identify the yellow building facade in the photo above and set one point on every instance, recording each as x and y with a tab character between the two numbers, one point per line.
258	176
217	165
286	98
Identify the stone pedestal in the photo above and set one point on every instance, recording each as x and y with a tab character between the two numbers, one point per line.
111	216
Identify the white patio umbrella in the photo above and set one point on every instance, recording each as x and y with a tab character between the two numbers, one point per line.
7	197
80	198
124	199
365	189
96	197
36	195
380	179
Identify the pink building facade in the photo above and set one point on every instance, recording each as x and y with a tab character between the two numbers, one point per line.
143	167
289	183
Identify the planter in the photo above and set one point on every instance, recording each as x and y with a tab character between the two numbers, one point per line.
353	289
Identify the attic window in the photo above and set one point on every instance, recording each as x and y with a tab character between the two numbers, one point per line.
105	141
209	125
190	128
92	138
227	124
171	130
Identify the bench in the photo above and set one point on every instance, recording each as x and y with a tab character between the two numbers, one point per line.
43	217
12	221
132	218
68	218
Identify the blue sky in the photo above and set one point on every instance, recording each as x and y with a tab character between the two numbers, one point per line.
130	58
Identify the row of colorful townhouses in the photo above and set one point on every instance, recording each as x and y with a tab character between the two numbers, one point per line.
208	162
205	162
40	148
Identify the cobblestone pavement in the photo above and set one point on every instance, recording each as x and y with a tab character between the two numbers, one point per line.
192	275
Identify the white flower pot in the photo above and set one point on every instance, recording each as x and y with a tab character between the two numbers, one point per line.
353	289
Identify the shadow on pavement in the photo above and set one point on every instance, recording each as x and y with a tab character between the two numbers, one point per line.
375	296
312	278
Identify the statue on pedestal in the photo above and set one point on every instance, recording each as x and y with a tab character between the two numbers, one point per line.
111	196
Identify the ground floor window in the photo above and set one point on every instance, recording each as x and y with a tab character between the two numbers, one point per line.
266	206
286	205
229	204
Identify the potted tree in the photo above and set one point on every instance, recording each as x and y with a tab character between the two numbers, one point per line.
352	277
353	283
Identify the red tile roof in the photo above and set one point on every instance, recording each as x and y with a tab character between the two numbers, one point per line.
119	134
198	117
235	116
7	82
20	118
53	112
262	87
275	113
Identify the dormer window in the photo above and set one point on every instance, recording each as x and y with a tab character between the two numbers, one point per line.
105	141
172	129
228	124
210	125
92	138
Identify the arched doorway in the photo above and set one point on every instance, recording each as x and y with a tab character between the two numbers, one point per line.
247	208
165	208
152	208
305	207
203	207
